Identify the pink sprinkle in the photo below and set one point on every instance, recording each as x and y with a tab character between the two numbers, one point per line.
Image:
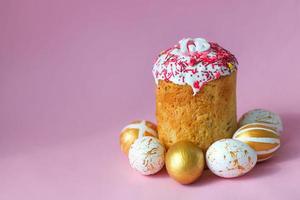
196	85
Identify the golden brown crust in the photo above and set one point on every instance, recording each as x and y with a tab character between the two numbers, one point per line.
208	116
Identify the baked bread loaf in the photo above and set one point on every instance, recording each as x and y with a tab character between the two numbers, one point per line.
195	93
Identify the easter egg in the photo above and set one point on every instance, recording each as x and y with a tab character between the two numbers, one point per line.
230	158
262	116
134	130
146	155
263	139
185	162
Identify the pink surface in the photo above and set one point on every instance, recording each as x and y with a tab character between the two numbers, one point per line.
73	73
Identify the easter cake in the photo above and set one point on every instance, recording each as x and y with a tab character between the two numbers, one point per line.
195	93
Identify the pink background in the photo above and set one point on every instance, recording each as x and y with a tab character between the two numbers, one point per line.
73	73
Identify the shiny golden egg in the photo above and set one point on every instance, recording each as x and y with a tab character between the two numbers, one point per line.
185	162
135	130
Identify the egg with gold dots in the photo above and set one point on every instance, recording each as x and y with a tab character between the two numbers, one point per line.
147	155
135	130
229	158
263	139
262	116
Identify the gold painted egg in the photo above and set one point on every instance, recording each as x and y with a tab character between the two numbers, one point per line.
135	130
263	139
185	162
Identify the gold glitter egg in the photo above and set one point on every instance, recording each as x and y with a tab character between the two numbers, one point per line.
185	162
263	139
135	130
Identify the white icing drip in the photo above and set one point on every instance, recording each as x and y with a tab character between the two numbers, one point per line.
199	45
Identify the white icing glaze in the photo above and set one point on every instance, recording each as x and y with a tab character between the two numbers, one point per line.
194	62
262	116
230	158
147	155
199	45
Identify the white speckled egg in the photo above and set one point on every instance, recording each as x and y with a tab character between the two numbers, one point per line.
230	158
262	116
147	155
